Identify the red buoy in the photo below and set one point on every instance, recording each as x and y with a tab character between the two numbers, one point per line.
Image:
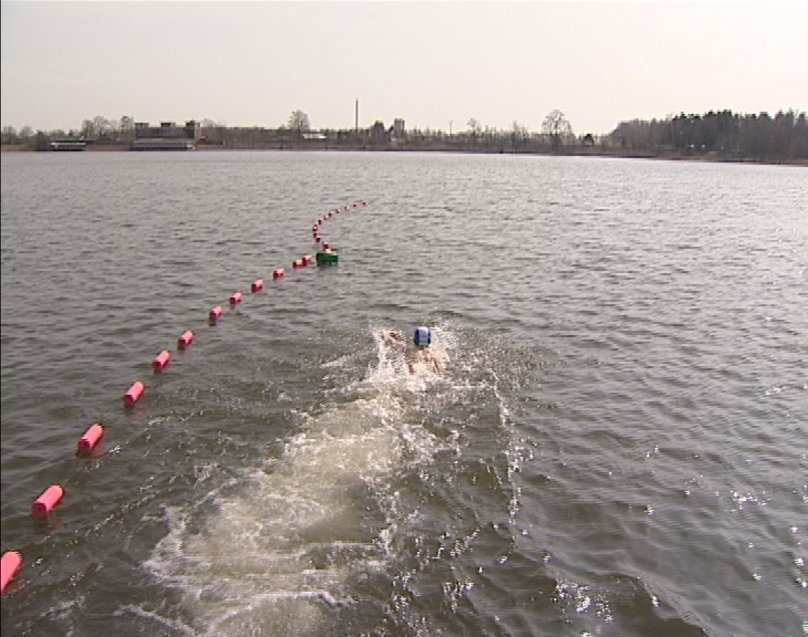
49	499
215	315
298	263
325	245
308	258
161	361
235	298
90	438
134	394
9	565
277	274
258	285
185	340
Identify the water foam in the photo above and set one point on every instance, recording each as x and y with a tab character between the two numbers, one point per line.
283	550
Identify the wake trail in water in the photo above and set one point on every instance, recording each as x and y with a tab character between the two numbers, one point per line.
286	550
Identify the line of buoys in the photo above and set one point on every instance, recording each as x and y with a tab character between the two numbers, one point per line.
50	498
90	438
53	495
9	565
327	255
134	394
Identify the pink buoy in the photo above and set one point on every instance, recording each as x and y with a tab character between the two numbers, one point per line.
185	340
161	362
308	258
9	565
90	438
258	285
215	315
298	263
49	499
277	274
134	394
325	245
235	298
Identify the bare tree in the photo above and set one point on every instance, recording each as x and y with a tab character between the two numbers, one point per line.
557	127
299	123
475	128
102	126
519	135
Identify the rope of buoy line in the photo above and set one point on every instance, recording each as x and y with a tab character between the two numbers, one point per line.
43	506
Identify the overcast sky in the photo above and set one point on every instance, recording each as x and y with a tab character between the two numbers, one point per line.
435	64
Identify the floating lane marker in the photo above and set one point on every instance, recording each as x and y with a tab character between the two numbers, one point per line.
185	340
215	315
236	298
90	438
277	274
258	285
162	360
50	498
134	394
11	562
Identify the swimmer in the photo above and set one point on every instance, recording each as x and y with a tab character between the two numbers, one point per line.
420	356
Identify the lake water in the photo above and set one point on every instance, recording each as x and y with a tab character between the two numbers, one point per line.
618	446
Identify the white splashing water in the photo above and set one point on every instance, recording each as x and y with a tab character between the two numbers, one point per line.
281	549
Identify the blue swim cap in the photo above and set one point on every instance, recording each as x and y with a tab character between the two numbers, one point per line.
423	336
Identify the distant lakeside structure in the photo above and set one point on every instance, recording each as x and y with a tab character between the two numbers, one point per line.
167	136
714	136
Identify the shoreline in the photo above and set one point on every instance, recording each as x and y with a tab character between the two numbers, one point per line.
607	153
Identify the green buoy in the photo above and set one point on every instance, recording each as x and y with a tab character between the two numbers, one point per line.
328	257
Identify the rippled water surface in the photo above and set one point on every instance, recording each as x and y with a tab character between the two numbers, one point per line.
616	447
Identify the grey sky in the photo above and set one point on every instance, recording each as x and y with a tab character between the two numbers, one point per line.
436	65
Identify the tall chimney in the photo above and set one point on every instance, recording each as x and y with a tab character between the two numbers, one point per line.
357	115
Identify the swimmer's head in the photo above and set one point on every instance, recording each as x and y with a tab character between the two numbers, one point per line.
422	337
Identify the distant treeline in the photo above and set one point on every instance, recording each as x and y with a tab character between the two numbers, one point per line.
783	137
716	135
